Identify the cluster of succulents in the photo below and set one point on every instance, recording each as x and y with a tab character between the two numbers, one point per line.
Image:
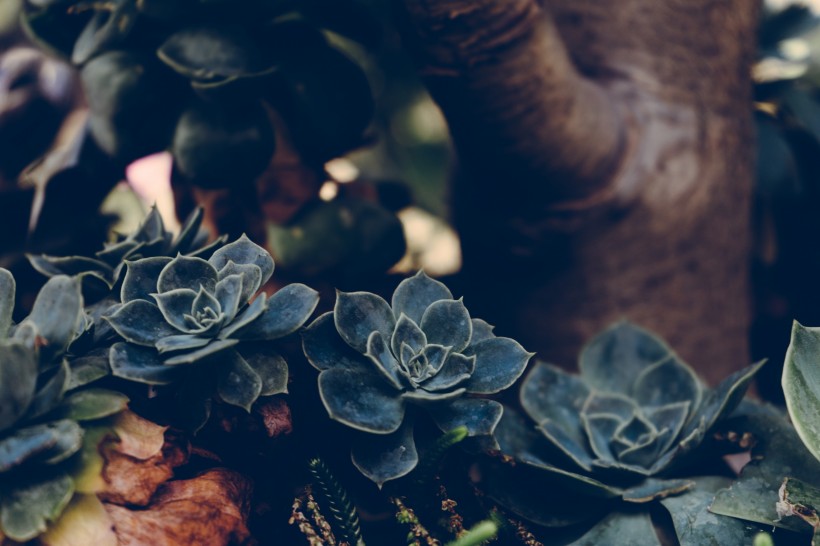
44	406
378	361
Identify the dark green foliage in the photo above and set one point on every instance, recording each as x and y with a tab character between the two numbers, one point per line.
337	502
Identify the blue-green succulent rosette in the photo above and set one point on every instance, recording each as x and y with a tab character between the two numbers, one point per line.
203	326
379	360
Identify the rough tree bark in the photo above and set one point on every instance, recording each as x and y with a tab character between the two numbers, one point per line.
605	151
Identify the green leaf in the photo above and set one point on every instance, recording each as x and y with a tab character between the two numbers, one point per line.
57	313
695	525
25	511
447	322
88	368
800	500
288	309
414	295
499	363
7	294
624	347
238	383
18	381
801	385
50	393
325	349
52	442
358	314
386	457
141	322
141	364
361	399
91	404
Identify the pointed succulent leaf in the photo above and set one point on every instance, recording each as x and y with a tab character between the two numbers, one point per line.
187	272
91	404
57	312
251	277
481	331
551	393
499	363
571	481
206	304
671	417
112	255
203	250
209	351
571	445
229	293
407	332
447	322
18	381
181	342
244	251
600	428
375	408
624	346
51	266
140	322
25	511
88	368
184	242
635	529
801	384
635	429
251	313
610	403
174	305
271	369
7	294
479	415
141	364
140	279
50	394
645	452
383	360
654	489
325	349
414	295
51	442
386	457
288	309
666	382
358	314
424	398
456	369
406	354
152	227
238	383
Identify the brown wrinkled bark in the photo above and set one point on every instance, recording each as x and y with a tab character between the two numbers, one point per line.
606	165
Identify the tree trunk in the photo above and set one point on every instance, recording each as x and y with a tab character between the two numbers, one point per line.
606	153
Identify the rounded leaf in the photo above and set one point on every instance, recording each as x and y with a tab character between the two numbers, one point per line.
358	314
238	383
325	349
499	363
25	511
414	295
386	457
18	380
141	322
244	251
447	322
479	415
141	277
187	272
288	309
361	399
142	365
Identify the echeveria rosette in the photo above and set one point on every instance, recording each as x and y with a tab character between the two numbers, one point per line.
102	272
43	410
621	427
424	350
180	314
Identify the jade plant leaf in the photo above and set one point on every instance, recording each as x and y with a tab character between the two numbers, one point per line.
25	511
377	364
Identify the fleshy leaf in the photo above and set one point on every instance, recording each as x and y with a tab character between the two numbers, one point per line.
614	404
479	415
324	348
50	394
407	332
551	393
140	322
181	342
447	322
654	489
174	305
208	351
244	251
671	417
238	384
499	363
386	457
88	368
422	397
666	382
91	404
571	446
7	295
801	384
187	272
481	331
251	279
271	368
246	317
456	369
376	406
25	511
288	309
57	312
600	429
51	442
358	314
414	295
141	364
189	232
229	293
624	347
635	529
18	381
140	279
383	360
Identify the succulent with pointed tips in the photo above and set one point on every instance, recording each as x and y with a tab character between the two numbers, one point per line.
615	431
424	351
196	321
102	272
43	411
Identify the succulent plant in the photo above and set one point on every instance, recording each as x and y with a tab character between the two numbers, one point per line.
618	430
377	360
43	410
102	272
178	315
